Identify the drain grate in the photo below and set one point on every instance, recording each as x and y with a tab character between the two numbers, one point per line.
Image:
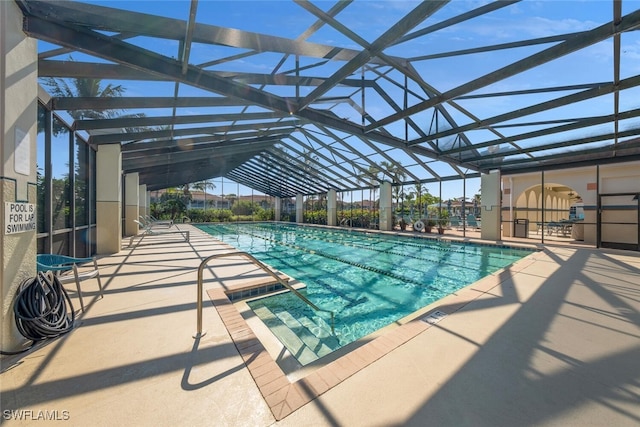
434	317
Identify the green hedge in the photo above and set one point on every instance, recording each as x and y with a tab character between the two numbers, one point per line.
359	218
210	215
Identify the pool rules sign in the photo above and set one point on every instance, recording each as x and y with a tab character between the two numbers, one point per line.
19	217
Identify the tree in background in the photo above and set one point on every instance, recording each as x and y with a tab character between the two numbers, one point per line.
477	198
204	186
371	179
84	87
243	207
398	175
232	198
61	191
173	203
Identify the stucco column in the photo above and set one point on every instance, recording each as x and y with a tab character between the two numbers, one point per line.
332	218
507	206
18	112
148	198
278	209
143	207
108	199
386	213
490	205
299	209
131	203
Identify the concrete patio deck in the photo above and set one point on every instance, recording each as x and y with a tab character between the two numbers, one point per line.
552	340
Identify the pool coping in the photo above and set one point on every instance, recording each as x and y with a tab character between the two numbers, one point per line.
284	396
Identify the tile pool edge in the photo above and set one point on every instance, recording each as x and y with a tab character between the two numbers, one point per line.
284	396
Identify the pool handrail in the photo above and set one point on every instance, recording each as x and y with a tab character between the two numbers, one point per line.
284	283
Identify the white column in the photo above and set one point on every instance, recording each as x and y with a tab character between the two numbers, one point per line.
508	202
332	205
18	135
143	197
386	213
278	209
299	209
148	205
131	207
108	199
490	205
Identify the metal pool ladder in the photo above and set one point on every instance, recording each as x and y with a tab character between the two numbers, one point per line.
199	332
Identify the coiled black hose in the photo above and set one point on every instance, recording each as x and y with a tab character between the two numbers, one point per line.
42	309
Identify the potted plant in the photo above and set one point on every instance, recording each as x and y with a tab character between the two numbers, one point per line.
443	221
429	223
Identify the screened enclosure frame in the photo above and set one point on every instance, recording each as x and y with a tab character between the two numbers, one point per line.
284	131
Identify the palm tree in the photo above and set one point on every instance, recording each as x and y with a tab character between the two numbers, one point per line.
186	194
477	199
309	159
374	171
174	201
85	87
397	174
232	198
88	88
409	198
418	187
203	186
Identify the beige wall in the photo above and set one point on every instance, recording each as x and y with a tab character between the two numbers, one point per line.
18	112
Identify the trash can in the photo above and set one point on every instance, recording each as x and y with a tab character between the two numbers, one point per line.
521	228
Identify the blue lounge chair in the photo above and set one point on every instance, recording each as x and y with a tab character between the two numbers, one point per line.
472	222
455	222
67	271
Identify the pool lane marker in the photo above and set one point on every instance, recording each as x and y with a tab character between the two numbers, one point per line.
345	261
398	277
434	317
370	248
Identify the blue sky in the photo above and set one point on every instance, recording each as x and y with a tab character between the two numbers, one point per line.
369	19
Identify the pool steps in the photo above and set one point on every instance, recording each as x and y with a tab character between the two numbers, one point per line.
298	336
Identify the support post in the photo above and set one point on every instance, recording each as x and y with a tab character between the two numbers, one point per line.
143	197
132	200
108	199
490	206
299	209
386	212
278	209
332	215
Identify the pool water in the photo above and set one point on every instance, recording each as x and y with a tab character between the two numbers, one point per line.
368	280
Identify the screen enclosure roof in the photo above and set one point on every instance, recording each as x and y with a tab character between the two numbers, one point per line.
303	97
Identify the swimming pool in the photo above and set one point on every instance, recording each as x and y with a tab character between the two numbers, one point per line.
368	280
